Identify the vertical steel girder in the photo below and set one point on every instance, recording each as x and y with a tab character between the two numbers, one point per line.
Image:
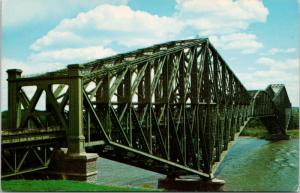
172	108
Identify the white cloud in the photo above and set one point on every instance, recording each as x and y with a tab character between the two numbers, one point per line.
265	61
19	12
224	21
221	16
28	67
274	51
246	43
251	68
289	64
71	55
132	28
275	72
64	38
102	25
245	9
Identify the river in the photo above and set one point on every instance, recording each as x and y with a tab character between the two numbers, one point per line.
251	165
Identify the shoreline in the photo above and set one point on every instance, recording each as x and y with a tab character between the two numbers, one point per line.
262	133
21	185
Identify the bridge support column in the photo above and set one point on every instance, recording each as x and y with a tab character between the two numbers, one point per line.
77	164
14	105
191	184
75	131
81	167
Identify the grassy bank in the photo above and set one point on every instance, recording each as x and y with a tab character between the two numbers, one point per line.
293	133
64	185
256	128
261	132
258	132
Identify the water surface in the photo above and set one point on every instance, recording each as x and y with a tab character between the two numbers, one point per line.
260	165
251	165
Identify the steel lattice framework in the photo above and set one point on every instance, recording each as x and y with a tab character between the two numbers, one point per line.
173	108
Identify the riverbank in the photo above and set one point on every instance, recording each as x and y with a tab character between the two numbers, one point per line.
65	185
293	133
262	133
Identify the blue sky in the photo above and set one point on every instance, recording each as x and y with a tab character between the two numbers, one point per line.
258	39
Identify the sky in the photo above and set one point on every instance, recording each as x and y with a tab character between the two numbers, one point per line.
259	39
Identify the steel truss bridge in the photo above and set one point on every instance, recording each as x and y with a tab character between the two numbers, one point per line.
173	108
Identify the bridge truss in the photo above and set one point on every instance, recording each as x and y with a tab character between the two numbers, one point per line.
172	108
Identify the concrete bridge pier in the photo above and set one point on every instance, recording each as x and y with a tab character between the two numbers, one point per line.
190	184
75	163
81	167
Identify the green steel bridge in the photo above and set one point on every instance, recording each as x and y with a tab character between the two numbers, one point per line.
173	108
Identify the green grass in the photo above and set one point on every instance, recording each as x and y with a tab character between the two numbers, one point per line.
258	132
64	185
262	133
255	128
293	133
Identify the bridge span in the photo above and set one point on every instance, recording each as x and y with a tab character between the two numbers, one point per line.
173	108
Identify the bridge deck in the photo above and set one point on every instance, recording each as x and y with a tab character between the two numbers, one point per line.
29	135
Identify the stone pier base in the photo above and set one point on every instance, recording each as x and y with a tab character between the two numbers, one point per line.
190	184
81	167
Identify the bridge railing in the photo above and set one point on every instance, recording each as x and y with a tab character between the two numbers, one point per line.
33	102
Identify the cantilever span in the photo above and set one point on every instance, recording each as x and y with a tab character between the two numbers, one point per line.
173	108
